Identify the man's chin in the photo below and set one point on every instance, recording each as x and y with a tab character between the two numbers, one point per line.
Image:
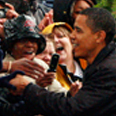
76	55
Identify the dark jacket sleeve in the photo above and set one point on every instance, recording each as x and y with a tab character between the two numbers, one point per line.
16	109
96	98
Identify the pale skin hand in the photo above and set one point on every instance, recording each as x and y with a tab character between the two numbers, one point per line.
46	80
47	20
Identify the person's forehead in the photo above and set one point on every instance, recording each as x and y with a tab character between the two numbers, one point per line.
82	4
80	18
80	21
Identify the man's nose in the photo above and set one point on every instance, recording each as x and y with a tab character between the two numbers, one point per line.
72	36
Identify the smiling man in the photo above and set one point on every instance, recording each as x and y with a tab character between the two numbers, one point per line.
92	37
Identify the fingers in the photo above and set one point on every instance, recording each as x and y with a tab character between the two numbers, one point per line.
47	20
74	88
10	6
50	17
34	75
46	80
30	67
11	14
2	21
33	67
43	82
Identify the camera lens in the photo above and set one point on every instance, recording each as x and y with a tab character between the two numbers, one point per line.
2	13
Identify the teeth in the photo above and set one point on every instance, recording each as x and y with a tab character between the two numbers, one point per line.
29	52
60	48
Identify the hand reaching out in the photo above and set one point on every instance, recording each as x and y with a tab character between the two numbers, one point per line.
47	20
4	81
46	80
75	87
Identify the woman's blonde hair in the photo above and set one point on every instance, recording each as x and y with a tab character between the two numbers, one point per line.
63	29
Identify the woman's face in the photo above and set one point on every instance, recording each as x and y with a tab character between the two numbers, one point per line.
24	48
46	55
79	6
63	44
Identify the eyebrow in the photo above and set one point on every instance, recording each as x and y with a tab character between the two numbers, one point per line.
76	27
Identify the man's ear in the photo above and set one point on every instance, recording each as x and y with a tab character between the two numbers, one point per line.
100	36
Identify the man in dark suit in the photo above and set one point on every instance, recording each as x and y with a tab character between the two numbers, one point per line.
93	33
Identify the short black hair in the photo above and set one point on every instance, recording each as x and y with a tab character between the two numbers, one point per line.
100	19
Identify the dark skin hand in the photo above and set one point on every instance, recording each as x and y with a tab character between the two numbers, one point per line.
46	80
28	66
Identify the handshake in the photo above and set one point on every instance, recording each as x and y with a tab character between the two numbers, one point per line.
4	81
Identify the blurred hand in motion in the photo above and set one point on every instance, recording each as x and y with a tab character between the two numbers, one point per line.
28	66
47	20
46	80
11	13
20	83
4	81
75	87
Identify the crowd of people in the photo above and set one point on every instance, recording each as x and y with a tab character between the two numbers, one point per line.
84	81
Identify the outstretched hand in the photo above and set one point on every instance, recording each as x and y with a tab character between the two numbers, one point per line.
30	67
75	87
4	81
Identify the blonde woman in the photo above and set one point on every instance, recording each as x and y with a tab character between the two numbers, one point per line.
61	34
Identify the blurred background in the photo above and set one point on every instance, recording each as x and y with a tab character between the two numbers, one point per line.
108	4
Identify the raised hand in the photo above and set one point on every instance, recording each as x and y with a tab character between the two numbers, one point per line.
47	20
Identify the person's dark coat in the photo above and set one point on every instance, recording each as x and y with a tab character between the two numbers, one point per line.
97	97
